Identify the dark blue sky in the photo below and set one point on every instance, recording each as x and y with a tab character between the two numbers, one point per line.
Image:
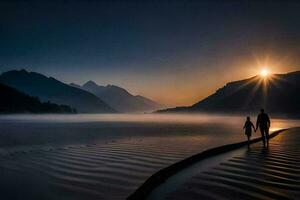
172	51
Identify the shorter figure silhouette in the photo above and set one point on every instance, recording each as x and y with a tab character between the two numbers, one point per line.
263	122
248	129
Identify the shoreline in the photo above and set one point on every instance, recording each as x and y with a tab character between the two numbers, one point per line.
162	175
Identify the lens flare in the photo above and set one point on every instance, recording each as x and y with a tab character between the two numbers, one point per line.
264	72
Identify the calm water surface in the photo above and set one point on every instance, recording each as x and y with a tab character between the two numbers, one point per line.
103	156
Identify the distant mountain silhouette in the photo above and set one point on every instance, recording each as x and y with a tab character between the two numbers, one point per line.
120	99
75	85
279	94
13	101
50	89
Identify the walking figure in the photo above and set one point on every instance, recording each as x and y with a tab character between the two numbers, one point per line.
263	122
248	129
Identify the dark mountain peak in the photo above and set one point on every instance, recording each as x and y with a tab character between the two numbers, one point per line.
114	88
14	72
238	82
90	84
278	94
290	75
51	89
119	98
14	101
23	71
75	85
293	73
22	74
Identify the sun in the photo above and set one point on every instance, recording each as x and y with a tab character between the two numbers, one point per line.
264	72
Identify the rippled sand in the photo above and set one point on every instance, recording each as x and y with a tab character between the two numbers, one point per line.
93	158
258	173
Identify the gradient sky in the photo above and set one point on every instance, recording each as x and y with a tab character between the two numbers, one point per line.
175	52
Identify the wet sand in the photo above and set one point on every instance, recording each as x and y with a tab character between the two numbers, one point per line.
101	156
255	173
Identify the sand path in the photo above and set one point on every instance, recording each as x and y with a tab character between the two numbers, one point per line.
255	173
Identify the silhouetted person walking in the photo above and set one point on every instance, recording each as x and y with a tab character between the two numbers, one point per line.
248	129
263	122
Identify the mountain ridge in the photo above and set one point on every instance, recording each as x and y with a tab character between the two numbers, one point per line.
14	101
50	89
277	93
119	98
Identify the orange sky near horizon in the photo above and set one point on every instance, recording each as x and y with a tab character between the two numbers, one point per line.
188	88
174	52
187	83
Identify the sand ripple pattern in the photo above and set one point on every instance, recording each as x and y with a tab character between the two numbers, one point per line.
94	171
260	173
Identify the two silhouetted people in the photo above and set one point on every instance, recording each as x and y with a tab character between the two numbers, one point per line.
263	123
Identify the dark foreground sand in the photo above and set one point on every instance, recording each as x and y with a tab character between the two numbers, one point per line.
87	157
255	173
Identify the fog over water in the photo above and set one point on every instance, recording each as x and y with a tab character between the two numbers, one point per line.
104	156
68	129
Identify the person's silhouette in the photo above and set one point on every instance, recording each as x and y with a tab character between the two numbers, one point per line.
248	129
263	122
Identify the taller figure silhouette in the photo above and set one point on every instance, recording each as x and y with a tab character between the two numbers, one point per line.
264	123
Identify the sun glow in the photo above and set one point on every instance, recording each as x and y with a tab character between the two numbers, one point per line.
264	72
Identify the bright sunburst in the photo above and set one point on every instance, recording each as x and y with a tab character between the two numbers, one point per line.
264	72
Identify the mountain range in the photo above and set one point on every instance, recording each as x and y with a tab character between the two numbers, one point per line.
120	99
50	89
13	101
278	94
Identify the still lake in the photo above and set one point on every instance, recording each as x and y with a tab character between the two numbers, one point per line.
103	156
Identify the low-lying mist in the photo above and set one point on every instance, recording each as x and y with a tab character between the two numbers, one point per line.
16	130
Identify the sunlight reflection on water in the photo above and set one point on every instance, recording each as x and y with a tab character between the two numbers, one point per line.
147	118
121	150
41	129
